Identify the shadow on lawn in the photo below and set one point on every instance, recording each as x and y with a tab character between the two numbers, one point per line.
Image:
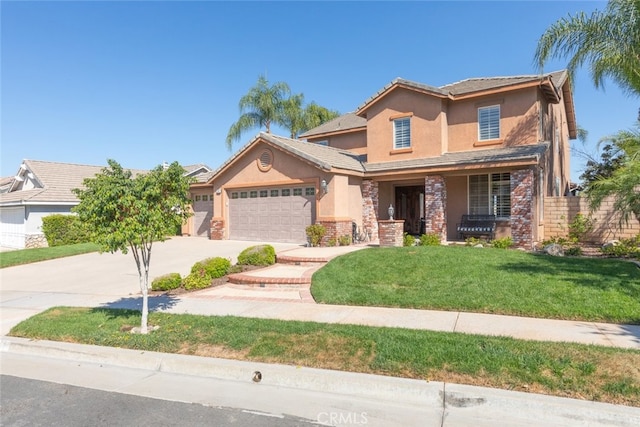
156	303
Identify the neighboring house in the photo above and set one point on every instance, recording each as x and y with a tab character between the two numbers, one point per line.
201	195
42	188
479	146
37	190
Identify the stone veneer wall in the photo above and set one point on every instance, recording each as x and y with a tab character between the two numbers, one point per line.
522	208
216	229
560	211
35	241
435	202
391	232
370	207
335	228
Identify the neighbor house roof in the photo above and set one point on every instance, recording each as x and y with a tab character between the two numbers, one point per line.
342	123
54	182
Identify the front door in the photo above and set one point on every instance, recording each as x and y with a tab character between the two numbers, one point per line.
410	207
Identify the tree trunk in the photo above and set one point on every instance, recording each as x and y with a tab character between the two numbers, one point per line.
145	303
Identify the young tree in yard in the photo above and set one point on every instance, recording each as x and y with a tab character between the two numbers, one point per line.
624	181
130	213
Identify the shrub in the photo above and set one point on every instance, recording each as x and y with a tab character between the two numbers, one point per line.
473	241
344	240
212	267
197	280
167	282
332	242
258	255
62	230
315	233
579	227
430	239
625	248
573	251
408	240
502	243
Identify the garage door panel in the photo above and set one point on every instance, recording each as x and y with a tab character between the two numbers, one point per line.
12	228
274	218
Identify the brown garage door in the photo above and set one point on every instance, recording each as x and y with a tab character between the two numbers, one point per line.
202	214
274	214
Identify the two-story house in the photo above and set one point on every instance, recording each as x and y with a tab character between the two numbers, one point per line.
480	146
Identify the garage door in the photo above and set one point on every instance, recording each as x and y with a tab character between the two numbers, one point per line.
12	227
202	214
274	214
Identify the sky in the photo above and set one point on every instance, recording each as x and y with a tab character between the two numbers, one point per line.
146	82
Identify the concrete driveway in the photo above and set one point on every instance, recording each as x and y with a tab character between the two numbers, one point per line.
93	279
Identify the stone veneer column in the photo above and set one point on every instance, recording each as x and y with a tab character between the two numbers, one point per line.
370	207
435	202
522	208
216	230
391	232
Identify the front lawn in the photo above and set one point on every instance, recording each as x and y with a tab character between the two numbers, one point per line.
483	280
560	369
27	256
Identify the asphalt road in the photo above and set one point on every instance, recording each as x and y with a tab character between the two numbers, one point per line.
33	403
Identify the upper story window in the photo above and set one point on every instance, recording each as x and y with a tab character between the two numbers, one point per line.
402	133
323	142
489	123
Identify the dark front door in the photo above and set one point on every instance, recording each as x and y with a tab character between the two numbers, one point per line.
409	207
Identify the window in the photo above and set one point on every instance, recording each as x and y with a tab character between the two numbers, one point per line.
297	191
323	142
264	193
243	194
490	195
253	194
274	193
234	195
489	123
309	191
286	192
402	133
198	197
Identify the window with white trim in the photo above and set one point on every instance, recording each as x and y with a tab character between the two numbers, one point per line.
402	133
489	123
490	195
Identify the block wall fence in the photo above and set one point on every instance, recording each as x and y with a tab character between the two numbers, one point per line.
560	211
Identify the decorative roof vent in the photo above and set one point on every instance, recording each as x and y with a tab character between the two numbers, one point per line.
265	161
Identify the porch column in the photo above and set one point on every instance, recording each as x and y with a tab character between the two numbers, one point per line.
435	202
522	208
370	207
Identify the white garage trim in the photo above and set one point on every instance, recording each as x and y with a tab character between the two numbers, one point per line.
274	214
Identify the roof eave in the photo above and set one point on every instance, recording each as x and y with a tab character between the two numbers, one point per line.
390	88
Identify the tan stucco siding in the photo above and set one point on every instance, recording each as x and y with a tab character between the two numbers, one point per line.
456	203
518	121
426	129
355	200
353	141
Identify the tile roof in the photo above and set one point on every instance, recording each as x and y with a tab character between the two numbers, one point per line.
523	152
57	181
344	122
464	87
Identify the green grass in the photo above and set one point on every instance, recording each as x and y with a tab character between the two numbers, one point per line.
483	280
561	369
27	256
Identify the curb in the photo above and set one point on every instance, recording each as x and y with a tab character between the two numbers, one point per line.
366	385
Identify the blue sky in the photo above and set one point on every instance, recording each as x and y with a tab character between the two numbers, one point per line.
144	82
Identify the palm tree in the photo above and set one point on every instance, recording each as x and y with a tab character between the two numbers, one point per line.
293	115
315	115
624	182
608	42
260	107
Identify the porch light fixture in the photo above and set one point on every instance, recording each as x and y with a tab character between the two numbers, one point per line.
324	186
391	212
